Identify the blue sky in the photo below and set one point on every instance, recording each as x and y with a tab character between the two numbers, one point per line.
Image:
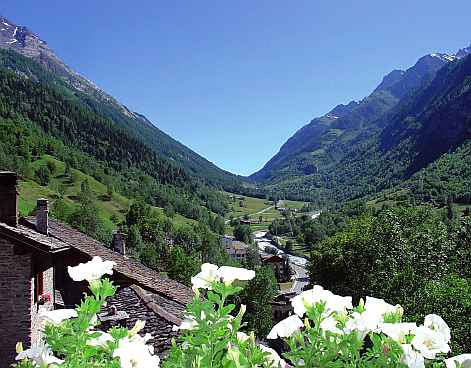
234	79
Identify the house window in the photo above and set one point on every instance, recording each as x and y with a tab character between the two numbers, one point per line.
38	285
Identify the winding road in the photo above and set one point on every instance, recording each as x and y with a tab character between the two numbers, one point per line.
299	264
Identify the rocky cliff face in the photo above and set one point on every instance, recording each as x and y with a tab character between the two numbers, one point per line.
22	40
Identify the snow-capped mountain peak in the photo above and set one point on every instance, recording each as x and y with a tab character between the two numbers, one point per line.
462	53
444	57
22	40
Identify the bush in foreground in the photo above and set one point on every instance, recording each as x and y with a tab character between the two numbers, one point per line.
325	331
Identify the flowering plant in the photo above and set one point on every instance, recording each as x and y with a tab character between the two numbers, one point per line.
210	332
44	298
71	338
326	330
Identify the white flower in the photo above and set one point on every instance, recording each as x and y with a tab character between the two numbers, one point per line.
362	323
308	298
40	354
330	324
242	336
189	323
229	274
411	358
204	279
143	339
210	273
286	327
55	317
379	307
398	331
101	340
337	303
274	358
92	270
133	353
436	323
463	359
372	317
429	342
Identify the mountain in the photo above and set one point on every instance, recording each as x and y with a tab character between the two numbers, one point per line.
59	131
305	162
410	138
20	39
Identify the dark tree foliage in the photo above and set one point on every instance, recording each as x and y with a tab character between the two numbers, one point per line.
408	256
86	218
182	266
243	233
257	297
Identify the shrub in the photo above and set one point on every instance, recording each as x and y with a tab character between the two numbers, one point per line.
403	255
325	331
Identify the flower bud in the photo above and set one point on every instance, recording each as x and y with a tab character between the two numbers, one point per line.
19	347
400	311
137	327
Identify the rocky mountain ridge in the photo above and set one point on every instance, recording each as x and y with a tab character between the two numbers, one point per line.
305	151
22	40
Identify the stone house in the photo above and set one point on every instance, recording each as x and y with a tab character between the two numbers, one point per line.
237	250
281	306
280	265
34	256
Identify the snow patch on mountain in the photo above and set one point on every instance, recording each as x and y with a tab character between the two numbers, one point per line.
444	57
462	53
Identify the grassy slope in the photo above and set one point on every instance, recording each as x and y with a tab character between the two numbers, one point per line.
252	206
116	206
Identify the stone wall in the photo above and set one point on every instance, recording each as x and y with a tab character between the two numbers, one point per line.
48	285
15	300
18	314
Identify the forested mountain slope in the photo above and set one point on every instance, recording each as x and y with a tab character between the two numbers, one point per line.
50	69
322	157
312	147
423	126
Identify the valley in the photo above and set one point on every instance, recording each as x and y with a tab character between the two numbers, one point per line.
371	198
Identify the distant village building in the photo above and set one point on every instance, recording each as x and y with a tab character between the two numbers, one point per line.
249	221
280	265
237	250
34	256
281	306
227	240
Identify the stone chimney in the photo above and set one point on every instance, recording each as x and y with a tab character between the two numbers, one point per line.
8	198
42	216
119	243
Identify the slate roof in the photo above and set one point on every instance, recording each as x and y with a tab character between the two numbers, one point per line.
61	236
238	245
126	266
148	296
138	305
26	235
272	258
